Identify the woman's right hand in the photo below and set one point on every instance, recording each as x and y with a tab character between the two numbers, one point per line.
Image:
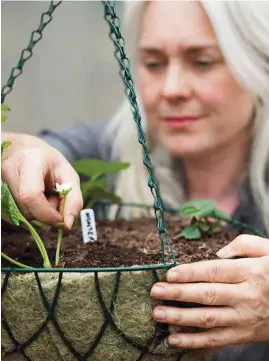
31	168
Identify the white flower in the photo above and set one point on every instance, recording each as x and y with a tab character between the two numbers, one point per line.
64	188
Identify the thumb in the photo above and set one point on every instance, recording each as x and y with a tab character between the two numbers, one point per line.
73	202
245	245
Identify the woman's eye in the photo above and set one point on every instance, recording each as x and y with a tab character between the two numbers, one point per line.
203	63
153	64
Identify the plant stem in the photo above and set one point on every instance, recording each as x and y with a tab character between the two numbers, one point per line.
13	261
60	237
39	243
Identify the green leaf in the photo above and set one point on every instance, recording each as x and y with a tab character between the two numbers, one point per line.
9	207
100	193
188	211
206	212
5	108
4	145
191	232
94	168
100	182
3	117
4	203
11	211
204	226
96	190
198	208
87	188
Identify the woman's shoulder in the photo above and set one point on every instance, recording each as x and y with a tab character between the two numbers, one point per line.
80	140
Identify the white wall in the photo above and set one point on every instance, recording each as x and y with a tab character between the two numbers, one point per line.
73	74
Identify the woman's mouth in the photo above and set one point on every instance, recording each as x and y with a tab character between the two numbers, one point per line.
180	122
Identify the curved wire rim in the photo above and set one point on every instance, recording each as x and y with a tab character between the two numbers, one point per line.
89	270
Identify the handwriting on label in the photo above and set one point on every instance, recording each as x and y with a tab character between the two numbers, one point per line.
88	225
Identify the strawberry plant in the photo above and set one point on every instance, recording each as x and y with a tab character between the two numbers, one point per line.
206	218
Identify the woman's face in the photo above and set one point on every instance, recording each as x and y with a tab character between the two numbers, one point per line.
192	102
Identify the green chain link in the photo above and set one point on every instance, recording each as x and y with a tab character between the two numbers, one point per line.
27	53
115	34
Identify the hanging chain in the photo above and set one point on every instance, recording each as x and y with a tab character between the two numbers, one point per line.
27	53
115	35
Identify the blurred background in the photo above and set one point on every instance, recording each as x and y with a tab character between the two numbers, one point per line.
72	76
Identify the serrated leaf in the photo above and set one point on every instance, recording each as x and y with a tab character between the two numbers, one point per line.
198	208
95	168
188	211
4	145
5	108
191	232
206	212
9	207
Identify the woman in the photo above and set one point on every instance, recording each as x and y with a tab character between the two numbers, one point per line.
202	75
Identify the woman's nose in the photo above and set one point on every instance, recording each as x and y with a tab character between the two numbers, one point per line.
176	83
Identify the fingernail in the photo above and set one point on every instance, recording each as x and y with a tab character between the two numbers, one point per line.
225	252
157	291
174	341
172	276
159	314
69	221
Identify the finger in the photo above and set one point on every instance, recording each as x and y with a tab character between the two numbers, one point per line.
32	187
204	317
205	293
245	245
65	173
221	271
209	339
54	201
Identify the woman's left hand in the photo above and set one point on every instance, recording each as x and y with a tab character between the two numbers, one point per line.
236	292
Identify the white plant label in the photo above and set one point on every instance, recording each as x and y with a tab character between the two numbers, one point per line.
88	225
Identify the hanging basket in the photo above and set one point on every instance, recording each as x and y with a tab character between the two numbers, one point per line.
92	314
83	316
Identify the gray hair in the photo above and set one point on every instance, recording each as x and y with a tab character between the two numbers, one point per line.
242	27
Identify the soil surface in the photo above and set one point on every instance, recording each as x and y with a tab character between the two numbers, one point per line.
120	243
